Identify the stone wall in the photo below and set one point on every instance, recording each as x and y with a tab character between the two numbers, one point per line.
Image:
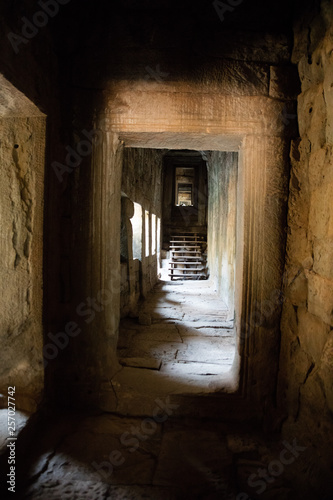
50	272
198	84
28	89
22	153
141	183
222	208
90	307
306	366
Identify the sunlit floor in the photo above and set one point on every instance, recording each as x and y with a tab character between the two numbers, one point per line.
182	343
170	435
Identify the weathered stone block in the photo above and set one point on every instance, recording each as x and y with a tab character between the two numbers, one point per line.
321	211
328	90
323	257
326	370
298	201
284	82
320	297
320	167
313	333
298	247
251	46
233	77
298	290
312	116
312	73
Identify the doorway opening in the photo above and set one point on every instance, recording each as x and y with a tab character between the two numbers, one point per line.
184	212
183	330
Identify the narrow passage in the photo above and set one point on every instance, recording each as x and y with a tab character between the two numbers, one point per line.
181	343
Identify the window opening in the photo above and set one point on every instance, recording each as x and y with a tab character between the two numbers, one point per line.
184	188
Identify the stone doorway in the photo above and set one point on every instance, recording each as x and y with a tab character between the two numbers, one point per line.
248	131
184	334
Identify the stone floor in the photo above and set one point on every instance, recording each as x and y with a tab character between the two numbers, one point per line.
182	343
155	445
161	457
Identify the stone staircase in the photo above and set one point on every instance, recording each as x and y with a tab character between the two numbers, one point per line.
188	258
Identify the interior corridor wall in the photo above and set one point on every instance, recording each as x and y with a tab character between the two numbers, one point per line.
91	311
305	391
222	211
141	183
22	159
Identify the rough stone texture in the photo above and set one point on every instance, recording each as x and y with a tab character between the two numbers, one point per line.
172	357
258	124
91	279
22	172
222	224
284	82
104	457
172	75
160	84
141	183
305	379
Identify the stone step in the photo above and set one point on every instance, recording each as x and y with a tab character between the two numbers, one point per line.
201	275
185	247
184	236
185	251
187	268
135	391
187	257
185	242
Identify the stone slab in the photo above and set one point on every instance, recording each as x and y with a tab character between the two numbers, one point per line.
150	363
161	332
207	350
320	297
186	369
204	332
152	349
197	457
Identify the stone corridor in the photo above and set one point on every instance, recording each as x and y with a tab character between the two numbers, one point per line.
181	343
129	131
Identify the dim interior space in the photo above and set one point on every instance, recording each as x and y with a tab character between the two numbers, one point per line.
166	249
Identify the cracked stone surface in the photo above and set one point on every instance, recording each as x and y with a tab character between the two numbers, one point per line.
110	457
21	208
188	347
194	328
